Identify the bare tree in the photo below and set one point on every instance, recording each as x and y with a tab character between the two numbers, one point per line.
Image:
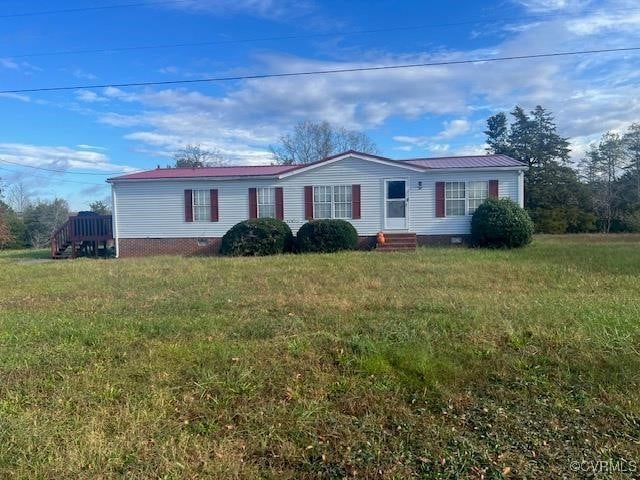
194	156
311	141
18	198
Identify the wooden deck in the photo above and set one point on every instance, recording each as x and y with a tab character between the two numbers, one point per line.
82	235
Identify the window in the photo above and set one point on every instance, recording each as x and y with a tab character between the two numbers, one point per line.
201	206
342	201
332	201
454	198
478	192
322	202
266	197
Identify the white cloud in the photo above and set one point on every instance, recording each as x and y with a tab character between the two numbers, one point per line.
455	128
553	5
16	96
57	158
271	9
8	63
588	94
83	75
89	96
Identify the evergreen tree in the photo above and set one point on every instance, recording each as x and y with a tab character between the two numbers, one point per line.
554	196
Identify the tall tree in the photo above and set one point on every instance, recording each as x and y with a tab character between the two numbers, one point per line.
497	133
43	218
18	197
606	160
194	156
311	141
631	140
554	196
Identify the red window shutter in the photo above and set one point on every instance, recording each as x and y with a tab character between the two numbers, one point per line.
355	202
279	203
493	189
188	206
308	202
253	203
440	199
214	205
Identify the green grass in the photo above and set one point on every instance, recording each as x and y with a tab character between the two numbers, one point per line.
444	363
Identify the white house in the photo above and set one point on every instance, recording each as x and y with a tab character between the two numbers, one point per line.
188	210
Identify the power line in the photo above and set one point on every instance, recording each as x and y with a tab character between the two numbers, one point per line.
60	171
87	9
320	72
290	37
57	179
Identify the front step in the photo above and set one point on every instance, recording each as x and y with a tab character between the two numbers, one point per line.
398	242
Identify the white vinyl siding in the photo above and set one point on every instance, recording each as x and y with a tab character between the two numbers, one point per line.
155	209
332	201
454	199
201	205
266	197
477	193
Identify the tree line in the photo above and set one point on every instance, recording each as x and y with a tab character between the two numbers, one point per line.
600	192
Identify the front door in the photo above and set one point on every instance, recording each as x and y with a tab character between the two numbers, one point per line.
395	204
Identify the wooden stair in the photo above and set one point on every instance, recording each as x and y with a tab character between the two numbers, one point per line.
398	242
82	235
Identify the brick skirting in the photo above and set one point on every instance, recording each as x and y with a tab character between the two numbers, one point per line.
442	240
143	247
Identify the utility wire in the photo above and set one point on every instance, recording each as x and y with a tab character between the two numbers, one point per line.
321	72
55	179
477	21
87	9
61	171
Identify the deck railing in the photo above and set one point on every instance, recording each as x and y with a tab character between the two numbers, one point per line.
81	228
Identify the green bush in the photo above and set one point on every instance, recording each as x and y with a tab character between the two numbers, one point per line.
327	236
261	236
501	223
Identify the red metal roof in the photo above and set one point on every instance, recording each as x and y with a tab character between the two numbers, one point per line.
475	161
231	171
471	161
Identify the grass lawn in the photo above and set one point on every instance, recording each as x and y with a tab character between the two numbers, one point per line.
444	363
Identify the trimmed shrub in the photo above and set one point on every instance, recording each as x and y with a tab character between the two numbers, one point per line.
261	236
501	224
327	236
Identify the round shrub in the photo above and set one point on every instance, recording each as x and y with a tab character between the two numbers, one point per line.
261	236
501	224
327	236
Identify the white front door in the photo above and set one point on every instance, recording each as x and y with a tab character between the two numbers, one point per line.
396	205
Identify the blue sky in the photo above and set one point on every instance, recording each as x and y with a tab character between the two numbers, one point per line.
417	112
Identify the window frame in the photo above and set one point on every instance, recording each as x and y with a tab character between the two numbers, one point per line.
470	198
333	191
195	204
458	199
261	205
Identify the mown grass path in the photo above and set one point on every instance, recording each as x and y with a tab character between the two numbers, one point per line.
444	363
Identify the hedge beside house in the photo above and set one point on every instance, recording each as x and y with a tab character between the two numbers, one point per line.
327	236
260	236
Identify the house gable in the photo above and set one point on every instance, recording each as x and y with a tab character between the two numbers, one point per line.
353	155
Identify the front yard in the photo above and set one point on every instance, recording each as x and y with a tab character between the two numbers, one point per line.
444	363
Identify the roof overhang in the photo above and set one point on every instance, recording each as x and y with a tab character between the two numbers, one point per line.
358	155
192	179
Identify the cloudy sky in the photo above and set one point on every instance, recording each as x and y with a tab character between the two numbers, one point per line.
80	137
